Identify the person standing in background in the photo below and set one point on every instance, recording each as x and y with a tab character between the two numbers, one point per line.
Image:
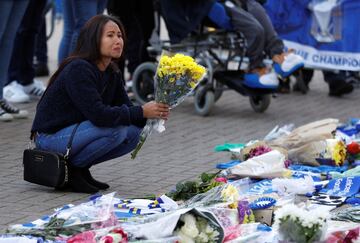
137	17
21	80
41	64
75	14
11	13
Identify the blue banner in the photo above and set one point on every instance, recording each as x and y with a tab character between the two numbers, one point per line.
325	32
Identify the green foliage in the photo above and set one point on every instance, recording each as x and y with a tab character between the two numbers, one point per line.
188	189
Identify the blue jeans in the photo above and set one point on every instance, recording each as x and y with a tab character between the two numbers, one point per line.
91	144
21	65
11	13
76	13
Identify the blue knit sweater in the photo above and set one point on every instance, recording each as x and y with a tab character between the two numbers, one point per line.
82	92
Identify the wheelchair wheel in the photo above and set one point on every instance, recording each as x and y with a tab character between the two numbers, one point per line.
218	91
143	82
260	103
204	100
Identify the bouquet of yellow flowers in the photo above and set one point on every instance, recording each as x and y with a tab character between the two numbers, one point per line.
176	77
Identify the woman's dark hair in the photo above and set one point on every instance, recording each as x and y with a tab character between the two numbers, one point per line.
88	47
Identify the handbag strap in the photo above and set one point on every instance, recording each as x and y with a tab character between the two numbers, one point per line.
68	146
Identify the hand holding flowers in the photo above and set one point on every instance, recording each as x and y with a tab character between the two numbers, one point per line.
175	78
153	110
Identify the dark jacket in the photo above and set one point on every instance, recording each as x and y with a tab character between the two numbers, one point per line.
184	16
82	92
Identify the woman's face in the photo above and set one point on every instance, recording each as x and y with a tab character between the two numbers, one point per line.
112	43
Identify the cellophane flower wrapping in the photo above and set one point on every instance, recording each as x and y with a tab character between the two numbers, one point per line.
92	215
198	228
177	75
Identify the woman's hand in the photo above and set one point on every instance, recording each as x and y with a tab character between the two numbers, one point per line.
156	110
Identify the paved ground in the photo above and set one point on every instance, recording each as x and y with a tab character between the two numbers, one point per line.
183	151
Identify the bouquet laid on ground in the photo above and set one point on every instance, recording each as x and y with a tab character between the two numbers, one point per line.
71	220
196	229
334	152
186	190
183	225
313	144
176	76
299	225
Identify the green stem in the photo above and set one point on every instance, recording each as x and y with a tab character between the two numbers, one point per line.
137	149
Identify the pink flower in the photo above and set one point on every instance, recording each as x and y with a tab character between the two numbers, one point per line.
85	237
107	239
221	179
258	151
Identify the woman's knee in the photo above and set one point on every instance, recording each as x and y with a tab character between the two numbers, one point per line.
125	133
133	133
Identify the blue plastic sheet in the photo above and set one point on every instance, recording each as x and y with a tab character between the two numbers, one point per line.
319	169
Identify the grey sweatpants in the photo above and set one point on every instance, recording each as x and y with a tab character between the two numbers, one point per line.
258	31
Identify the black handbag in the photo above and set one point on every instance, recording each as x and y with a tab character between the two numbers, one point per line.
47	168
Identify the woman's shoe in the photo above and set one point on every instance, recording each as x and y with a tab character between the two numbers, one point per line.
88	177
78	183
12	110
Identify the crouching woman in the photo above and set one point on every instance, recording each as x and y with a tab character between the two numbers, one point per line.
87	90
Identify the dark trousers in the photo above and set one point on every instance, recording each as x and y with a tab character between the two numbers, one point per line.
41	44
21	66
273	44
253	21
137	17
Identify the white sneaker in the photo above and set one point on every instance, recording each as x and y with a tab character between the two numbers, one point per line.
14	93
291	61
36	89
12	110
5	116
269	79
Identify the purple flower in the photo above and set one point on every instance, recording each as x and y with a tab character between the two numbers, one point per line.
258	151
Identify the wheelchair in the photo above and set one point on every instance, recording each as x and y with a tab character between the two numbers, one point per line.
223	55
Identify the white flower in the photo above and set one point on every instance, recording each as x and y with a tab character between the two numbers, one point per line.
306	218
202	237
214	235
184	238
201	224
189	228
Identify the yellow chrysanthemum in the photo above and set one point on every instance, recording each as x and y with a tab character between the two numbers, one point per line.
179	65
192	85
230	194
337	150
